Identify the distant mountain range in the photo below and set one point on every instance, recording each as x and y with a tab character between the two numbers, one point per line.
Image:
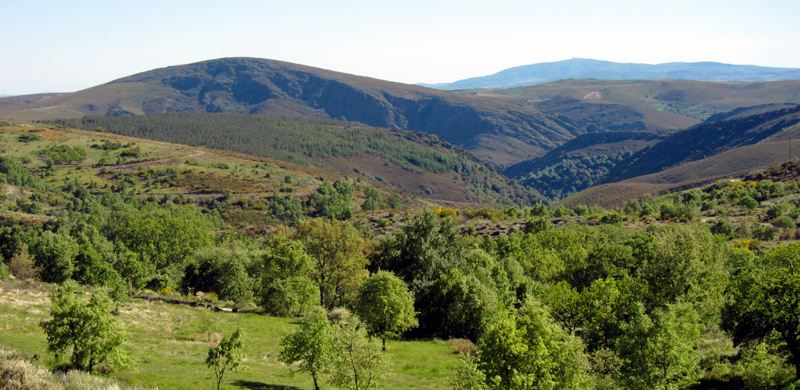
580	68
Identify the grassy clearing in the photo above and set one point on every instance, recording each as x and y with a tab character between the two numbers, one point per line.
168	343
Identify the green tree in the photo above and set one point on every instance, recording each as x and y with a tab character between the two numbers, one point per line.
357	362
685	263
310	345
334	201
428	254
468	376
54	255
530	351
87	327
337	251
661	352
766	299
163	236
372	200
286	285
386	305
225	355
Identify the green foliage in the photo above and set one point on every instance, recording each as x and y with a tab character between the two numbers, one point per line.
386	305
223	270
28	137
455	290
468	376
12	172
310	345
749	203
337	251
64	154
285	208
225	355
334	201
569	174
54	255
20	263
163	236
287	288
661	352
683	263
530	351
722	228
87	328
312	142
761	368
357	362
372	200
766	299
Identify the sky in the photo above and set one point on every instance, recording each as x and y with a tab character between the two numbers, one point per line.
62	46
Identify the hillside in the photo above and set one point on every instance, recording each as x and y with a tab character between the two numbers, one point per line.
665	104
581	68
579	163
720	133
413	163
495	129
734	163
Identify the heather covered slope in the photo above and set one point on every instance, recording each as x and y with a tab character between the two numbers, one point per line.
411	163
734	163
720	133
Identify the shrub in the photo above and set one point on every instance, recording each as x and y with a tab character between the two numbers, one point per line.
722	228
783	222
748	202
759	368
25	138
22	266
64	154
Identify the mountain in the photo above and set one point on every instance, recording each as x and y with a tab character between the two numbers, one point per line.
496	129
668	104
741	127
580	68
727	145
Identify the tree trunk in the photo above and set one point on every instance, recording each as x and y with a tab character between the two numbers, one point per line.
322	297
316	384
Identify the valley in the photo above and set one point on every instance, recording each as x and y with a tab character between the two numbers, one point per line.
253	223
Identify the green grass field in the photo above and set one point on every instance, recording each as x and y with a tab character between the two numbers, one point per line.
167	344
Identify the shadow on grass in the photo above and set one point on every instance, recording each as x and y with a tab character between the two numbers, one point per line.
253	385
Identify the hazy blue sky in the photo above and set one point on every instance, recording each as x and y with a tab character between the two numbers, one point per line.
70	45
